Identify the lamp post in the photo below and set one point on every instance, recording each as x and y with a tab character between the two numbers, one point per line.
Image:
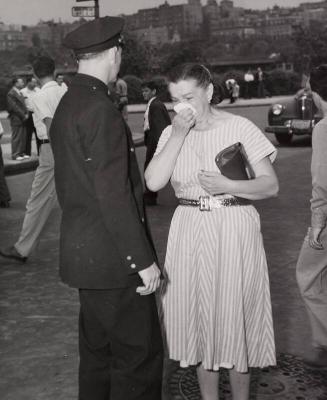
96	9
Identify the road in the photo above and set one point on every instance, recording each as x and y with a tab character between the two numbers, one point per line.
38	333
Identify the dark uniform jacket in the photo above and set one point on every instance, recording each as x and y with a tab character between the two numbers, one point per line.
158	120
104	239
16	107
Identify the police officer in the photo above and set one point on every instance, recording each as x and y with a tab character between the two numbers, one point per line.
105	248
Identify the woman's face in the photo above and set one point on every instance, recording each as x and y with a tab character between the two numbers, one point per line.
188	91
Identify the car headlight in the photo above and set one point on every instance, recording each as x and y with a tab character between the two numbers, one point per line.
277	109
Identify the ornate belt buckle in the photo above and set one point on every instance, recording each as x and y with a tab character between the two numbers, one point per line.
204	203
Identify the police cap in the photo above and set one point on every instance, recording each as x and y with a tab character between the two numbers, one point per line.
95	36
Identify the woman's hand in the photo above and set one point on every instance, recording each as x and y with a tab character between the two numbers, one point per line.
214	182
183	122
314	240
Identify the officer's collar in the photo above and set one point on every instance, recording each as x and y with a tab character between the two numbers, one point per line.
90	81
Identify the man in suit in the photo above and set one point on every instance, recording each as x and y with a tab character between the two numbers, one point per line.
28	92
18	115
105	247
156	118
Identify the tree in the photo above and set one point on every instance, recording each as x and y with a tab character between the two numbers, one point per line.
136	58
312	41
181	53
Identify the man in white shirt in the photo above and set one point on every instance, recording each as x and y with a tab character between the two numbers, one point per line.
248	84
43	194
28	92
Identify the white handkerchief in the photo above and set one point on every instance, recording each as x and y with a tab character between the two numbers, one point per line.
182	106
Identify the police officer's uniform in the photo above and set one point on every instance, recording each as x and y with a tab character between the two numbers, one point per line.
104	238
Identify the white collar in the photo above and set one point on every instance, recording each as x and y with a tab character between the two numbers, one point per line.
49	84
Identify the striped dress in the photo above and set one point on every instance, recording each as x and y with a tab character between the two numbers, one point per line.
215	304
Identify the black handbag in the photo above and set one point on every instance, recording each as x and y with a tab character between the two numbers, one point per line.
233	163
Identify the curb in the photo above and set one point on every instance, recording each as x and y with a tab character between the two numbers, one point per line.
20	167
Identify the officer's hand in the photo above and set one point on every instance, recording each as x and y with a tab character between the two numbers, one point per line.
151	280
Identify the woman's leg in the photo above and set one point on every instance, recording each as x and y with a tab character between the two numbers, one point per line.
240	384
208	381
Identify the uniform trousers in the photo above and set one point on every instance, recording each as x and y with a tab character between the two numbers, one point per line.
311	273
4	191
42	200
18	140
120	344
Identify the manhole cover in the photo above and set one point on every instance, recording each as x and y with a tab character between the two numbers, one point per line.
290	380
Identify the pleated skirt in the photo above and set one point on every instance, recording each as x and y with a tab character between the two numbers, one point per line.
215	302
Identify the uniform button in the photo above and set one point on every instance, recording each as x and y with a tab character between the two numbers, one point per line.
142	219
129	257
132	149
94	87
133	266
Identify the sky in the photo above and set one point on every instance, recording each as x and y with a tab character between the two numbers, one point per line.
29	12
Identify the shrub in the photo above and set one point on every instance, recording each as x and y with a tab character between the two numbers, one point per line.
134	89
279	82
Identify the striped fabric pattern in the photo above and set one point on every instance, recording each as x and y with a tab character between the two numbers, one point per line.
215	304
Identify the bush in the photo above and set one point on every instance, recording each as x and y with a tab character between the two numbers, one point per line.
279	82
134	89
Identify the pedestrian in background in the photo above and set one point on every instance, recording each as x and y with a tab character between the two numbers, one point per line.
4	191
216	303
61	81
235	91
121	89
311	269
18	115
248	84
105	246
43	194
28	92
156	118
259	79
229	86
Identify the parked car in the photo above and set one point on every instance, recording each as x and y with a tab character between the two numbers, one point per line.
294	116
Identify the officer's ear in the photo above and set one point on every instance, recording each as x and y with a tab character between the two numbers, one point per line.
112	54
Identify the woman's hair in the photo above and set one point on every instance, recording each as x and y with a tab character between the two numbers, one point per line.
318	80
200	74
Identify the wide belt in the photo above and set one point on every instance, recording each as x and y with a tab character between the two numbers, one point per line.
43	141
208	203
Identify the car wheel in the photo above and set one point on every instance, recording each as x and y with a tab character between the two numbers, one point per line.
283	138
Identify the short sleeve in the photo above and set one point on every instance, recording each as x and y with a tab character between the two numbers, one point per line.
164	137
255	143
41	107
